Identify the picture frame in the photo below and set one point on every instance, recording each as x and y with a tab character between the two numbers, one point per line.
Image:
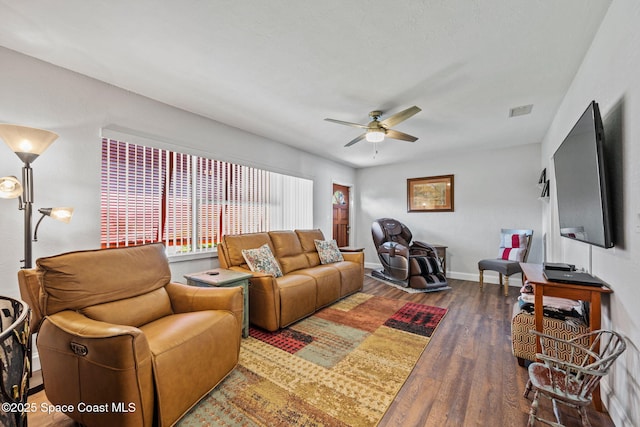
430	194
543	177
545	190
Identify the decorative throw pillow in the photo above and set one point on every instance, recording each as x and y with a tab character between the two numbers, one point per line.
328	251
261	260
512	254
513	241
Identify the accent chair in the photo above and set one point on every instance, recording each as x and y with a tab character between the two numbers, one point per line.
514	248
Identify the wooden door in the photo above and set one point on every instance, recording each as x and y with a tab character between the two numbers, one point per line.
341	214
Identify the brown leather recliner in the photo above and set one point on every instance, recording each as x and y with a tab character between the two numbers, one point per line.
29	284
122	346
409	264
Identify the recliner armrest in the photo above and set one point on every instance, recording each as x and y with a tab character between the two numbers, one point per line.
186	298
79	325
77	352
416	245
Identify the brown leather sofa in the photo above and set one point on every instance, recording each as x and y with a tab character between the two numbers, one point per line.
122	346
306	286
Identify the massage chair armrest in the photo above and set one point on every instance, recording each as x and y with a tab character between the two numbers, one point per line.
422	248
393	249
186	299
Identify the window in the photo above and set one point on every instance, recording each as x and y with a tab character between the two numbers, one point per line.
190	202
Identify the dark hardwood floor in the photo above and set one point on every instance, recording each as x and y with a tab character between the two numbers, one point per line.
467	375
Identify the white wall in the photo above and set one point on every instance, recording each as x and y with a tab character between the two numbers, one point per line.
610	74
493	189
41	95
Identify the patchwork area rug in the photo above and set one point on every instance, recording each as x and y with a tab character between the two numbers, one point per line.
342	366
406	288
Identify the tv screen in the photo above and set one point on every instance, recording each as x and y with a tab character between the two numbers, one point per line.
581	182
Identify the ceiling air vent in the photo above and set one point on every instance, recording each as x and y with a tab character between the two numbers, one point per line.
520	111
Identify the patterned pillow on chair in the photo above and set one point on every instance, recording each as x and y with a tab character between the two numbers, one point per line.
513	246
512	254
513	241
261	260
328	251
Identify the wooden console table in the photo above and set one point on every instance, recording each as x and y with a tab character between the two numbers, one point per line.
591	294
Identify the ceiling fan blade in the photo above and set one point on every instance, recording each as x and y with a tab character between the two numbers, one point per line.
340	122
400	117
358	139
400	135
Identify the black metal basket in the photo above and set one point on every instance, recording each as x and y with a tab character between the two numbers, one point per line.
14	358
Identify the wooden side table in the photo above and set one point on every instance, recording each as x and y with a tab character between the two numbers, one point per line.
226	279
591	294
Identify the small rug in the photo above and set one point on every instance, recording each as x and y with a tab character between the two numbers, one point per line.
406	288
343	366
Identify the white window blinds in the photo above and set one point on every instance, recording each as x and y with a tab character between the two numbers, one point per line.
190	202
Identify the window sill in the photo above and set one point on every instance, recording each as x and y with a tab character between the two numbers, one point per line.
192	256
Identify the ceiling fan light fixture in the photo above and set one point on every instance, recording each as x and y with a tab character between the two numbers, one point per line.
375	135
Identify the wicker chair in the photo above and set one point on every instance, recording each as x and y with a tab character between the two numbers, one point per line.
572	380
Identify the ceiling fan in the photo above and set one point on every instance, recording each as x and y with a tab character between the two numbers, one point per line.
376	130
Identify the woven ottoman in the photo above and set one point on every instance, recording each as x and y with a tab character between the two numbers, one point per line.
524	343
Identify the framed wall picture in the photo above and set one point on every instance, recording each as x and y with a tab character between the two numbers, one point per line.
430	194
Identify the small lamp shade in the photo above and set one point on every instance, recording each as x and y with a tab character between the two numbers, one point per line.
375	135
28	143
10	187
60	214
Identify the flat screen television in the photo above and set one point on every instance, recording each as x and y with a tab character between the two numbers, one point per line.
581	182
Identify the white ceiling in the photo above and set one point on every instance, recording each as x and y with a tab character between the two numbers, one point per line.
277	68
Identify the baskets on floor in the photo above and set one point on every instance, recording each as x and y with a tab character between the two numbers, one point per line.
524	343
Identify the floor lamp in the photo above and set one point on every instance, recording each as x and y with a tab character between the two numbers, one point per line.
28	143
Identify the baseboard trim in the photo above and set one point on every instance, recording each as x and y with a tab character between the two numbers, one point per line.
489	276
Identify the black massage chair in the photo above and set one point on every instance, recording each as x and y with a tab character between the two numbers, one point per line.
409	264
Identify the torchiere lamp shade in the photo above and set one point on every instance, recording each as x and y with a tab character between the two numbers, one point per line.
27	142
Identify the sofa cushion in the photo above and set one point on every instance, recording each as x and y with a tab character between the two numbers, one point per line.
135	311
288	250
328	251
327	283
237	242
351	276
297	297
307	238
76	280
261	260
